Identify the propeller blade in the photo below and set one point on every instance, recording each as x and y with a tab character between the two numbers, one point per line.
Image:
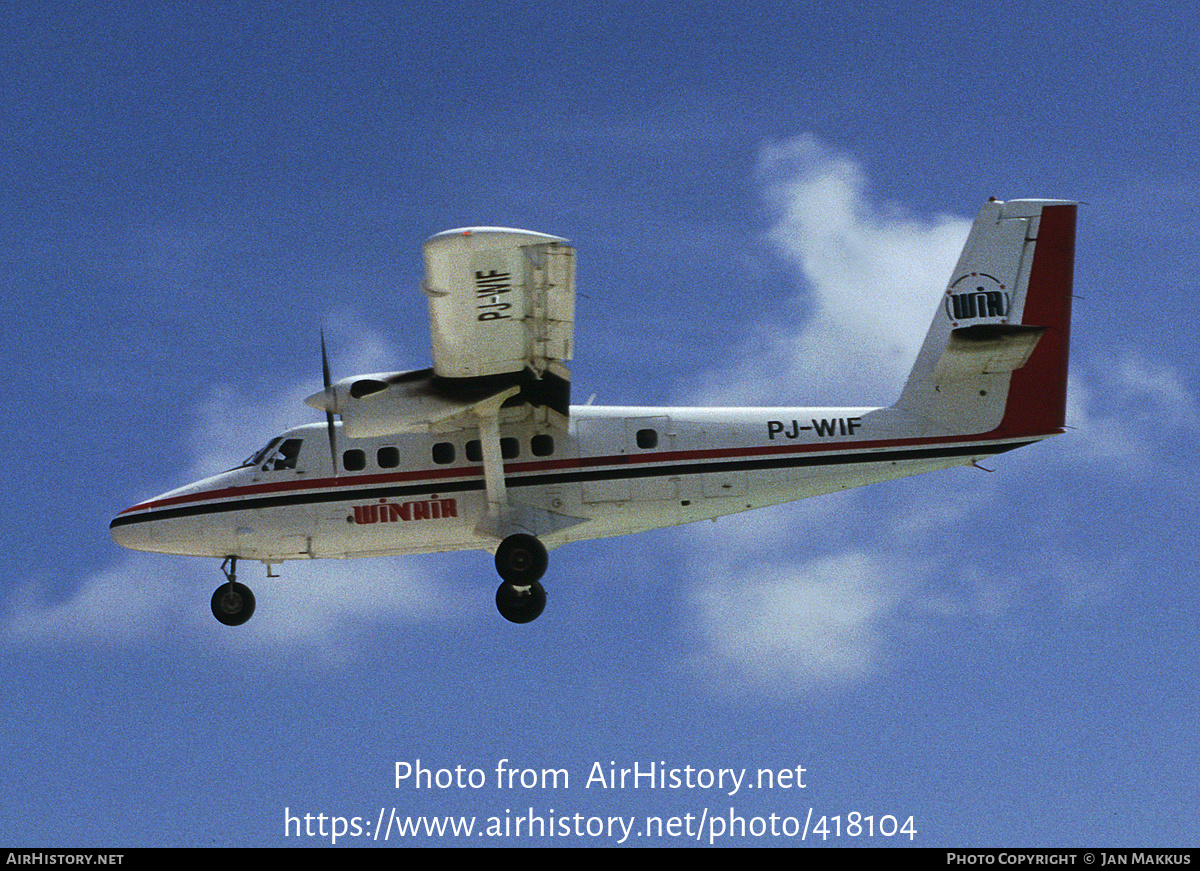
326	381
329	405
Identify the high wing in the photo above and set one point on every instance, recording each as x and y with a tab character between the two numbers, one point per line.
502	322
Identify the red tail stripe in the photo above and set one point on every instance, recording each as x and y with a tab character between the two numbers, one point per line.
1037	396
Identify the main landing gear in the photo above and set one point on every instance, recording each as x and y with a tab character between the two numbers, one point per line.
521	561
232	603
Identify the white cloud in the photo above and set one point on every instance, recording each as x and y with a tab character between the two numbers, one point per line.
321	607
789	626
318	605
831	592
1124	412
868	276
232	423
113	605
327	603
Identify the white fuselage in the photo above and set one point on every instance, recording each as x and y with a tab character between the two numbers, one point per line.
615	470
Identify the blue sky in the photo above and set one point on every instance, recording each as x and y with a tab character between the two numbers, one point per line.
1009	658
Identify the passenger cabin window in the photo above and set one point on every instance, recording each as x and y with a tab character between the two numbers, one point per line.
647	439
388	458
510	449
542	445
354	460
443	453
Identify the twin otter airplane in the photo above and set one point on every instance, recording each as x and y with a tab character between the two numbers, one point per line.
483	451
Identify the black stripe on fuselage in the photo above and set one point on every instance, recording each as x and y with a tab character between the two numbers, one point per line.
381	491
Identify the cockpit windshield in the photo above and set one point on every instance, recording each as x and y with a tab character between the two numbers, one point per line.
279	453
260	456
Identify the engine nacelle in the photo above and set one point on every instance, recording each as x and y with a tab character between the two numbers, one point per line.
385	403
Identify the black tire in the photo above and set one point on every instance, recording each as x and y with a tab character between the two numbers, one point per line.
521	559
520	603
233	604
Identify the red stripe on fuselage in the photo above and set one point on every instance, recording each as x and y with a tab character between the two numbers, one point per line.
434	476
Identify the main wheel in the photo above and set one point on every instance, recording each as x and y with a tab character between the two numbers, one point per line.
521	559
233	604
520	603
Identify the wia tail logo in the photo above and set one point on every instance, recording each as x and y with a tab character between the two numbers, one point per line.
975	296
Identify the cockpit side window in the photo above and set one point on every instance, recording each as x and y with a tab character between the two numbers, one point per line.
288	452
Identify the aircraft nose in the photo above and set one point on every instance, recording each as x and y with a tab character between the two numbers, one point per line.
129	533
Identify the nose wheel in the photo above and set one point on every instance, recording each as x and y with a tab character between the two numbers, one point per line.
232	603
521	561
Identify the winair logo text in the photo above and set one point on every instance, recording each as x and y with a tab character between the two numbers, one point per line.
490	290
393	512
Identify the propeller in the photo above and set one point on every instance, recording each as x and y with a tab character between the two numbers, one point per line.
330	400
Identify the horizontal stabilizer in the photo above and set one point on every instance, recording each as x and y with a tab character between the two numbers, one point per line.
986	349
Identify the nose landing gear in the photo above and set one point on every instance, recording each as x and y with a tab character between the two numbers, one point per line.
232	603
521	561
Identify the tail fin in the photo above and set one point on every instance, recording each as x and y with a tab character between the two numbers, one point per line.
995	358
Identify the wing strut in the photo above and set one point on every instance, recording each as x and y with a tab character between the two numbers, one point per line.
488	413
503	518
